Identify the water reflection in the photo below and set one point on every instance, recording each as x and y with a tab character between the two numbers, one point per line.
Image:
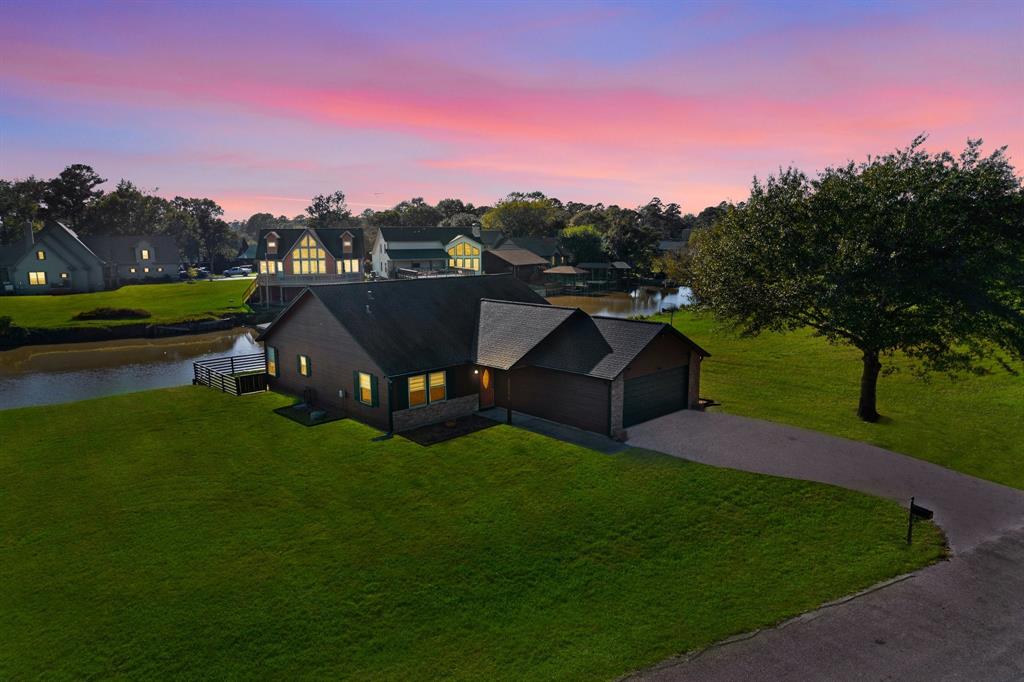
640	301
40	375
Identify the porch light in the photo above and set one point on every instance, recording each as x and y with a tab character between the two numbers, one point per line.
476	371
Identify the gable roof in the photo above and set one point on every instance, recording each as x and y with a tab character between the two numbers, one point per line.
508	331
117	248
516	256
545	247
60	233
414	325
329	237
394	235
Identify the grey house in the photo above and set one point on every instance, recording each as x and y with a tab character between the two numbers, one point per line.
133	258
53	260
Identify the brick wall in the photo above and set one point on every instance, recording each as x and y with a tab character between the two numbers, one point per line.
693	390
405	420
618	395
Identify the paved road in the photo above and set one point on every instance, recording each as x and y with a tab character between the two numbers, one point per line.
961	619
969	509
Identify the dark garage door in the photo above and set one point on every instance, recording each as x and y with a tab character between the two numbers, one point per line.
653	395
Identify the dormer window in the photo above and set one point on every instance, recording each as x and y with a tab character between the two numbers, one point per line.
40	255
145	254
272	242
346	242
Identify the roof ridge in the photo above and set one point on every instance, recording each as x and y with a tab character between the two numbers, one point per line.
536	305
626	319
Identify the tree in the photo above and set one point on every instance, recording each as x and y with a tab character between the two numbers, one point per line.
200	222
461	220
583	242
526	215
417	213
665	219
450	208
905	253
329	210
21	205
261	221
71	193
126	210
629	239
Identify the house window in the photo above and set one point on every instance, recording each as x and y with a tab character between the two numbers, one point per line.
160	269
272	361
473	251
365	388
346	243
418	390
146	269
280	267
451	262
348	266
145	254
308	258
64	277
37	278
460	249
438	390
305	367
40	255
131	270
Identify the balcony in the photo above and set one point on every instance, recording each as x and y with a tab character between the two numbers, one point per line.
283	280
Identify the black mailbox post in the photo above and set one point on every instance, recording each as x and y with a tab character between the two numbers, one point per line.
919	512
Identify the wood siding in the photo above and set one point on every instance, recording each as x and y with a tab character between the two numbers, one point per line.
459	383
573	399
665	351
334	355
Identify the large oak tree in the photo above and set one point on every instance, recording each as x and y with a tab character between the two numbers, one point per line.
906	253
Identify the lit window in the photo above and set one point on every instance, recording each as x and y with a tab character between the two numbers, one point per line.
131	270
280	267
271	361
40	255
473	251
145	254
365	388
308	258
461	262
460	249
160	269
451	262
64	276
145	269
418	390
354	266
37	278
437	386
305	368
451	251
271	245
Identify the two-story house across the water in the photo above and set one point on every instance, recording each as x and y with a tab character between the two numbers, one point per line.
411	252
290	259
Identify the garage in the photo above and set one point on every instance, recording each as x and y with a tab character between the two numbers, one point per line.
654	395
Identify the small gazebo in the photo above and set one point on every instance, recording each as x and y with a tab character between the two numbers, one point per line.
567	276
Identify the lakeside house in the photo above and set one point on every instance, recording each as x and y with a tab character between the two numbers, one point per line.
56	260
290	259
427	251
400	354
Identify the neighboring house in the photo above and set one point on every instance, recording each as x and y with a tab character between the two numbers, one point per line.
289	259
246	253
613	272
135	258
53	260
523	264
400	354
426	251
675	245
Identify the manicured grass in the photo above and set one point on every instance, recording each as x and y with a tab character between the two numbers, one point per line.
174	302
187	534
975	425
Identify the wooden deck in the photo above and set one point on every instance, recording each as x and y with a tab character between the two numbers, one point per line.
236	374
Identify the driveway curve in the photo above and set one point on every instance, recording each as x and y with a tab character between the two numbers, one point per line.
970	510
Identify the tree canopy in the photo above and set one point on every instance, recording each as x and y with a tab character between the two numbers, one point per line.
905	253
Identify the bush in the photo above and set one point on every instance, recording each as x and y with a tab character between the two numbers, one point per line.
112	314
10	332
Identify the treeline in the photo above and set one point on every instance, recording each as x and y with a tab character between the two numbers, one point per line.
592	232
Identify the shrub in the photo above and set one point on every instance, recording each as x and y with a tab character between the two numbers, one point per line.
112	314
10	332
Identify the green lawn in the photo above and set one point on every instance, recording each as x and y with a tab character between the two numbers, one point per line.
175	302
975	425
187	534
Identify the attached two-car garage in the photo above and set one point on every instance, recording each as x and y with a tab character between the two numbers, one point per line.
653	395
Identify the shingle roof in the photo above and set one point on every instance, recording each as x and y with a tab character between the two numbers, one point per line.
595	266
492	238
417	254
516	256
508	331
546	247
329	237
425	234
565	270
418	324
119	248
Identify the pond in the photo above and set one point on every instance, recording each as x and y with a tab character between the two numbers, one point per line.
41	375
640	301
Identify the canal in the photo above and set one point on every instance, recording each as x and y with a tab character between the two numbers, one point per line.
42	375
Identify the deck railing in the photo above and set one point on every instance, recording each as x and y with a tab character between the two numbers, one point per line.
236	374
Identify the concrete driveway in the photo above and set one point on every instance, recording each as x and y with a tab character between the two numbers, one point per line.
961	619
968	509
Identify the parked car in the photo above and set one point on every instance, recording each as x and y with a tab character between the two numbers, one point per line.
235	272
247	268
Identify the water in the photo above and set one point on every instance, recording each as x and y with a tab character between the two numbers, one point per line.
42	375
640	301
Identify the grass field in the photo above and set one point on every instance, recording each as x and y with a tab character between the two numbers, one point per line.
175	302
975	425
187	534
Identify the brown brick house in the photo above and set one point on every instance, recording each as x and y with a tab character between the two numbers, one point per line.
399	354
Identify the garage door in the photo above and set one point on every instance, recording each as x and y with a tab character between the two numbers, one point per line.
653	395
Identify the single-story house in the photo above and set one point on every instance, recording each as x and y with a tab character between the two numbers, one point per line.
50	261
400	354
427	250
135	258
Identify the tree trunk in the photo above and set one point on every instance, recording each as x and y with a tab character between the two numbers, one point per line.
866	409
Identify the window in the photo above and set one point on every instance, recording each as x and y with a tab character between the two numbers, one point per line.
305	368
473	251
346	243
461	249
348	266
64	276
160	269
146	269
418	390
40	255
437	387
37	278
451	262
365	383
280	267
461	262
308	258
272	361
131	270
145	254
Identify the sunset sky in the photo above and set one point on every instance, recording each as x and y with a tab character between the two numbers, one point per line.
260	105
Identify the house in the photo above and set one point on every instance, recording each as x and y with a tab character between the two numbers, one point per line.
53	260
290	259
509	258
399	354
612	273
131	259
427	251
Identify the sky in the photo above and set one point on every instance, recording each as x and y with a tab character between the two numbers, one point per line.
261	105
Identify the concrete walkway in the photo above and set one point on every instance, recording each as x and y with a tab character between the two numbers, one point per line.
969	510
569	434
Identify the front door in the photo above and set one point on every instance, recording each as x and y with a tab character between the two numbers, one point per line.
486	388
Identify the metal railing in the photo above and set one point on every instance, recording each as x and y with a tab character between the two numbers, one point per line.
237	374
